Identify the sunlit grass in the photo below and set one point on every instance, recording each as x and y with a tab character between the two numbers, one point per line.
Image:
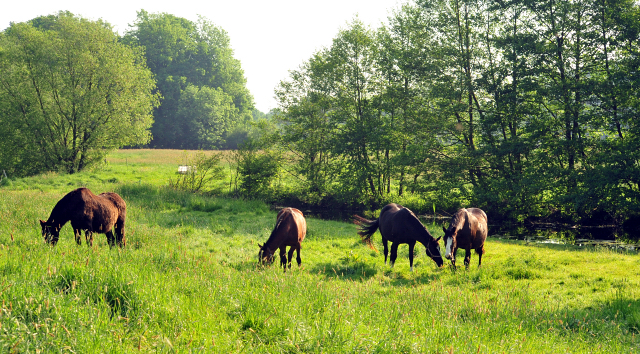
188	281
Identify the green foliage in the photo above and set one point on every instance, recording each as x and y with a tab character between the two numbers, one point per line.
201	170
202	84
206	115
525	109
257	170
69	93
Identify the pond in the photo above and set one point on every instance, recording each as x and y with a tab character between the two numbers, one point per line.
607	235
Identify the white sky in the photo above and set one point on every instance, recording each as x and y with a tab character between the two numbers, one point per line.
268	37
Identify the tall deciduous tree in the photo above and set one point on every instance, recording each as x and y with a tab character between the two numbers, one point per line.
69	93
182	53
206	114
404	65
352	69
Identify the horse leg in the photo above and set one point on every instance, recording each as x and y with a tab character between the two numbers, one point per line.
77	233
394	253
467	257
283	258
386	249
291	249
111	240
453	257
88	236
298	257
411	245
480	251
120	237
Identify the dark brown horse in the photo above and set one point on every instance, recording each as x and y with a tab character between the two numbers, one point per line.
399	225
102	213
468	230
290	229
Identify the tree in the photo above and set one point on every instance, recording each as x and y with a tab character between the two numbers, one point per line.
205	114
404	62
182	53
329	120
70	93
352	70
307	130
513	187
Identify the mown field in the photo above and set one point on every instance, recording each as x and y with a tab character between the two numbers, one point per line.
188	281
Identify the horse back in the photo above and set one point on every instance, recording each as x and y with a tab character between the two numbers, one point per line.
478	213
399	224
97	213
292	225
117	202
388	220
301	224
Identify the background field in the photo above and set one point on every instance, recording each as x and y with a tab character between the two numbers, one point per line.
188	281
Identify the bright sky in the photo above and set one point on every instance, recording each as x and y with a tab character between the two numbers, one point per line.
269	37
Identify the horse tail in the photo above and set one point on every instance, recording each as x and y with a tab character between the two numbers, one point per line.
366	229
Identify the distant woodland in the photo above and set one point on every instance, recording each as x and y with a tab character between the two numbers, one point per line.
527	109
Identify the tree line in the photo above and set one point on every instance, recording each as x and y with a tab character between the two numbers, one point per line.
527	109
71	90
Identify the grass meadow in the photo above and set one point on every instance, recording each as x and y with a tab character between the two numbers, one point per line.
188	281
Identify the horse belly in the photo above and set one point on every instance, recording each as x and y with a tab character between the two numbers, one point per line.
82	220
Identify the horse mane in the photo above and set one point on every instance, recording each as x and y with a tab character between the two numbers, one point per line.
415	223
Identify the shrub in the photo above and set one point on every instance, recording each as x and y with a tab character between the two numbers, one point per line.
202	170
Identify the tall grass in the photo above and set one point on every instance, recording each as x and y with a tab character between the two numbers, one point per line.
188	281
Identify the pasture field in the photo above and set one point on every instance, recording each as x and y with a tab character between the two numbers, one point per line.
188	281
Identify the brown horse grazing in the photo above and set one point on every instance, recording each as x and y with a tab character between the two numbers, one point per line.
290	229
468	230
102	213
399	225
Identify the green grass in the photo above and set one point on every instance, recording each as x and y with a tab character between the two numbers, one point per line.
188	281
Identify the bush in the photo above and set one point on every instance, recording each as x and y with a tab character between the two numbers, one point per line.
256	170
256	166
202	170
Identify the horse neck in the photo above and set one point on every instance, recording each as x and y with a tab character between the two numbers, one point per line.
275	239
59	215
424	237
420	232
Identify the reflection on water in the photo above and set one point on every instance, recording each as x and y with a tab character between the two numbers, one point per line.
608	236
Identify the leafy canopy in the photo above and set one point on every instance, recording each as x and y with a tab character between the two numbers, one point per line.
192	59
69	93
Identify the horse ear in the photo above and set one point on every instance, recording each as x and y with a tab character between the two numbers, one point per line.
444	229
42	223
438	239
259	245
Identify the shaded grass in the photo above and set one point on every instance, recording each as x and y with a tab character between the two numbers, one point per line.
189	281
